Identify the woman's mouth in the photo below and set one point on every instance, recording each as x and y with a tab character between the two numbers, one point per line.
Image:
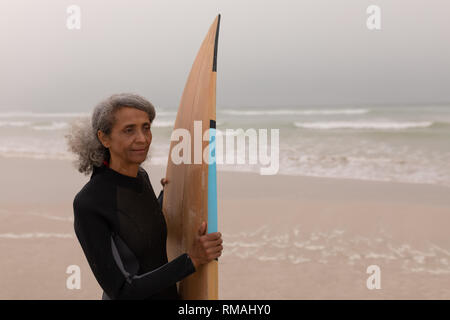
140	150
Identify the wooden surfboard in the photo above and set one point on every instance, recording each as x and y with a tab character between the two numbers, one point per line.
190	197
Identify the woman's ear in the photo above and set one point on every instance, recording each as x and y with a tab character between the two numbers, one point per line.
104	138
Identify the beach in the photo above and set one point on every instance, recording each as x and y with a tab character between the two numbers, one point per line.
345	106
285	237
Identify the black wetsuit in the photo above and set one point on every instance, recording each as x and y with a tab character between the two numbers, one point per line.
122	231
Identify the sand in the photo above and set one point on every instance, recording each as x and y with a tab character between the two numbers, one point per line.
284	237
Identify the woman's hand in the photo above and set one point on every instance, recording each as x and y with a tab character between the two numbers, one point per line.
164	181
206	247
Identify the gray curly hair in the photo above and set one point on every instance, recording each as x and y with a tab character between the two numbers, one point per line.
82	138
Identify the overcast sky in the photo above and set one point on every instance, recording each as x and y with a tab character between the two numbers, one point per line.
271	53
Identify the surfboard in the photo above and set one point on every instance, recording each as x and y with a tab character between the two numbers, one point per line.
190	197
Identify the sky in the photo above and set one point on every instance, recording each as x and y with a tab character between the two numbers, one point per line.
271	53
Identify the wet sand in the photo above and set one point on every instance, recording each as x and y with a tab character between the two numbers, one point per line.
284	237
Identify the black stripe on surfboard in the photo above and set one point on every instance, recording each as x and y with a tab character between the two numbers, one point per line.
216	41
212	124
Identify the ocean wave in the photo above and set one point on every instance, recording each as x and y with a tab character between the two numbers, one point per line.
14	123
30	114
32	152
363	125
171	123
56	125
354	159
33	235
166	113
163	123
50	217
381	169
230	132
294	112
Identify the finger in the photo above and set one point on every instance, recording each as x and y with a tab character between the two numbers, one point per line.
202	229
214	250
213	256
214	236
211	244
215	243
216	255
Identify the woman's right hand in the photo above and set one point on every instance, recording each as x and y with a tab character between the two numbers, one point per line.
164	181
206	247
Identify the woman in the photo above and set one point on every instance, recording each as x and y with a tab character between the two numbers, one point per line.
117	217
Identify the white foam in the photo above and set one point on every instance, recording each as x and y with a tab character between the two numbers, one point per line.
267	258
14	123
296	260
431	271
294	112
26	114
225	132
33	235
435	247
163	123
335	246
373	255
314	247
166	113
55	125
50	217
34	151
362	125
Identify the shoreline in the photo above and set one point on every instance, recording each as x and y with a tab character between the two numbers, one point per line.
280	174
159	167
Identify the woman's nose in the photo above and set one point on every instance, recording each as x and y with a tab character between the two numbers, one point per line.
140	136
143	136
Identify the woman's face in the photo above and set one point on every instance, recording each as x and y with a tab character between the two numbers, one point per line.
130	136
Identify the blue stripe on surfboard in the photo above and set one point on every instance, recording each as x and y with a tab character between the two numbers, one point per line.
212	183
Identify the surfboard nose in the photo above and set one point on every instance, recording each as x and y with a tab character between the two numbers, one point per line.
216	42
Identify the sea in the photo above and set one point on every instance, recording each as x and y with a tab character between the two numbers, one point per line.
402	143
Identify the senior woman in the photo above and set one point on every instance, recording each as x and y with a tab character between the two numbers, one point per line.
117	217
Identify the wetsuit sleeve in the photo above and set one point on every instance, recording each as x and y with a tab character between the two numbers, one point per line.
160	199
95	237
